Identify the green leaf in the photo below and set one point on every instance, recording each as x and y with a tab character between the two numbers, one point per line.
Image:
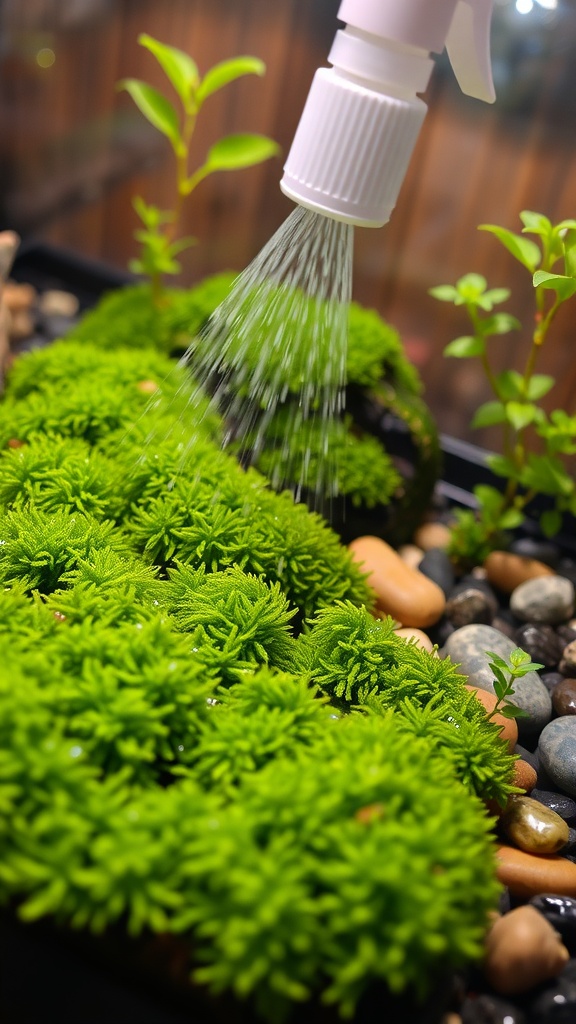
570	251
500	684
511	519
500	323
519	414
489	498
536	223
155	107
489	414
497	295
180	69
539	385
550	522
227	71
234	152
562	285
464	347
444	292
501	465
496	659
525	251
511	711
510	385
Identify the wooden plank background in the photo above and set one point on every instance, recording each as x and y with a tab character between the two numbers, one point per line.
73	152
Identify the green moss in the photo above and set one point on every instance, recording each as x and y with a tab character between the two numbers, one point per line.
179	749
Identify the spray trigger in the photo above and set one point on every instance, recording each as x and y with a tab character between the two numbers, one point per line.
468	46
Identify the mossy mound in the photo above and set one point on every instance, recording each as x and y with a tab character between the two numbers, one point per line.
202	728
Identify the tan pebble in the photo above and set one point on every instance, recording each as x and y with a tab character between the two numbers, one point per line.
147	387
509	730
18	297
411	633
524	776
55	302
404	593
20	324
451	1018
506	571
432	535
527	874
411	554
532	826
522	950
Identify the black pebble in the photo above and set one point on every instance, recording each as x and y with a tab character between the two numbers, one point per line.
560	911
556	1004
565	806
567	568
437	566
541	642
489	1009
551	679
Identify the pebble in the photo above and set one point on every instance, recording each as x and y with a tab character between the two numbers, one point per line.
524	776
551	679
18	297
557	1003
411	554
467	647
549	600
533	758
563	805
506	571
564	697
468	606
489	1009
417	635
560	911
528	874
566	631
508	725
542	550
404	593
557	746
147	387
55	302
532	826
437	566
522	950
541	642
568	659
432	535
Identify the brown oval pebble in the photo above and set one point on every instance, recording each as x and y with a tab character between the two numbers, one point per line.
147	387
522	950
404	593
532	826
432	535
507	571
524	776
411	633
564	697
489	700
527	874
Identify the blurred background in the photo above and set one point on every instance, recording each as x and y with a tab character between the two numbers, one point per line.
74	151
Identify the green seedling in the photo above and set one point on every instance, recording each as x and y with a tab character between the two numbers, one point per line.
159	244
505	675
535	445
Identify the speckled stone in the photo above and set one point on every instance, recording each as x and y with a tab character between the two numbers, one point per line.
557	746
541	642
467	647
564	697
524	776
568	658
549	599
532	826
468	606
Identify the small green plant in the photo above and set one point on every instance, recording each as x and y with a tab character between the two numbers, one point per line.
157	236
505	675
535	444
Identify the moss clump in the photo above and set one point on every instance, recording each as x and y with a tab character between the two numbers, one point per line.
179	748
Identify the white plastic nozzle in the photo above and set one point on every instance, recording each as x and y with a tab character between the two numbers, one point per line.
363	115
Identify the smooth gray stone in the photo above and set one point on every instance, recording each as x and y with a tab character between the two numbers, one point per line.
548	599
557	746
437	566
467	648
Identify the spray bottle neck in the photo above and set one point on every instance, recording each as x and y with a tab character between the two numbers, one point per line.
381	65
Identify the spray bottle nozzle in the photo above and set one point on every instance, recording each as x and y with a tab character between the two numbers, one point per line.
362	117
